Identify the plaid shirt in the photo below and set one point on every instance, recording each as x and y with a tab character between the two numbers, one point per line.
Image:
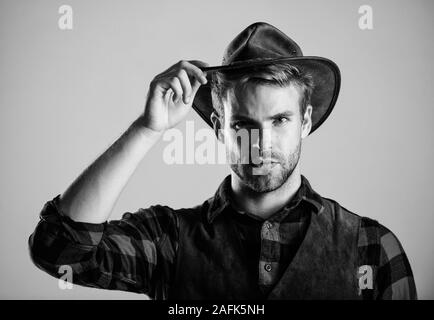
137	253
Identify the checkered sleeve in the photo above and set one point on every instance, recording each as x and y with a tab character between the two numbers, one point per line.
394	275
380	250
125	254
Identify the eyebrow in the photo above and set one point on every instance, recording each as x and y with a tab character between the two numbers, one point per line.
273	117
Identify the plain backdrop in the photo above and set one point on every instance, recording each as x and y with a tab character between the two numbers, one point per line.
66	95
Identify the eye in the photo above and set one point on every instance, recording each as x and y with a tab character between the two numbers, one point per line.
237	125
280	120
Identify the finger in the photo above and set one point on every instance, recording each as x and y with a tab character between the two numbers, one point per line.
185	84
199	64
193	71
175	85
195	87
168	95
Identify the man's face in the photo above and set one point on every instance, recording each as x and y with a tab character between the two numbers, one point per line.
271	117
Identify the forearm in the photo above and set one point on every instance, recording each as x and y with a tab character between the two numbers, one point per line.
92	196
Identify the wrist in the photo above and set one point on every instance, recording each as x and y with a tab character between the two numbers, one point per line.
140	125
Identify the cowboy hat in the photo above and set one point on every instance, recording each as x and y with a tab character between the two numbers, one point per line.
262	44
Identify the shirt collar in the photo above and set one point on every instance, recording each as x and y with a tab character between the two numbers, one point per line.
305	193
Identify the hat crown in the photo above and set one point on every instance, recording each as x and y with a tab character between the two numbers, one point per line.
262	44
260	40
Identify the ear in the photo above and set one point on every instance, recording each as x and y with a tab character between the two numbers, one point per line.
306	125
217	126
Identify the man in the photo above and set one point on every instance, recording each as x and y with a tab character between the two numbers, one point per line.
266	234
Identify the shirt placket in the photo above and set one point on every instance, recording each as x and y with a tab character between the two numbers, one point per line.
270	254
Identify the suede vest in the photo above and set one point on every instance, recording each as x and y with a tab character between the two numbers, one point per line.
210	260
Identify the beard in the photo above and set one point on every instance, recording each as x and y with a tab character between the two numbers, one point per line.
268	177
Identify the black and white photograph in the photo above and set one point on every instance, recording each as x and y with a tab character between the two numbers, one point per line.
217	151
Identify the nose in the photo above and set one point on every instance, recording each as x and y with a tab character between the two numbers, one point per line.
261	144
261	139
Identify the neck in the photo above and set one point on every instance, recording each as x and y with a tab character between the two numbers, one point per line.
264	204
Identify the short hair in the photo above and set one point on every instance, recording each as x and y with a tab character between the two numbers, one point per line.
279	74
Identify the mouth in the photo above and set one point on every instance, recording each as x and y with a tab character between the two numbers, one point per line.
268	163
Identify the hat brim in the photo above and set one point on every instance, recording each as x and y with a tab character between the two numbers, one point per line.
325	75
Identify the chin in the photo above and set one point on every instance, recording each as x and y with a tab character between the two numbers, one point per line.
261	180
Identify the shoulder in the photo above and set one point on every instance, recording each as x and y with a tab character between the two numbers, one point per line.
338	211
374	233
380	249
157	219
164	212
371	231
195	214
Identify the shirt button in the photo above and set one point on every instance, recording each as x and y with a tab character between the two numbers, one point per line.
267	267
268	225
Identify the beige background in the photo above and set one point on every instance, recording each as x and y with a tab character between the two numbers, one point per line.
65	96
